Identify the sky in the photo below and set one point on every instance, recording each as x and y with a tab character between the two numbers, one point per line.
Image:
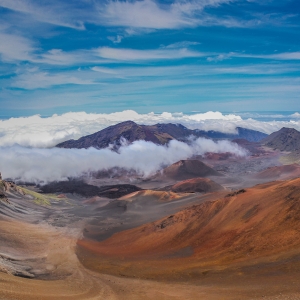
149	56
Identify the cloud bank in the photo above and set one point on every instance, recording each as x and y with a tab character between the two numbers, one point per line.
39	132
146	158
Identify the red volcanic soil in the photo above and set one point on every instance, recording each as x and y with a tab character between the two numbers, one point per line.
186	169
280	172
155	195
257	227
201	185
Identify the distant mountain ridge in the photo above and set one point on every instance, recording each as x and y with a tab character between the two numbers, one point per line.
286	139
159	134
242	133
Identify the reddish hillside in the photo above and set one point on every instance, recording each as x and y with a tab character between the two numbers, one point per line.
186	169
201	185
280	172
150	194
258	225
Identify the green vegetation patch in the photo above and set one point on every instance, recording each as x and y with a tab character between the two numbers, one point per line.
38	198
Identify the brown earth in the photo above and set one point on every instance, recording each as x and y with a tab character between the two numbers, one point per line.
200	185
186	169
280	172
155	195
243	245
69	280
257	229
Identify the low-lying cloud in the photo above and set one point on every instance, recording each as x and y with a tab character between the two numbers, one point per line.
36	131
45	165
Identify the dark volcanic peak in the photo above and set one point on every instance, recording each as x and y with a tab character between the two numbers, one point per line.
286	139
186	169
159	134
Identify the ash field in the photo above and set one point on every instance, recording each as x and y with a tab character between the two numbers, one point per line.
199	215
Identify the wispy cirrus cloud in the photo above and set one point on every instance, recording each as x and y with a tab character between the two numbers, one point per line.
59	13
137	16
15	48
144	14
284	56
151	14
109	54
65	58
122	54
275	56
34	79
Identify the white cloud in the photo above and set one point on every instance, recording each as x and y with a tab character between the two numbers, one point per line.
183	44
295	115
104	70
60	57
285	56
138	14
150	14
146	14
217	58
115	39
15	48
30	162
43	165
36	131
36	79
277	56
142	55
54	12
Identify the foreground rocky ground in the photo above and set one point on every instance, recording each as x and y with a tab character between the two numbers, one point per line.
201	238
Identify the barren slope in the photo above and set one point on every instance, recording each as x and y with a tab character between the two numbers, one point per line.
286	139
186	169
280	172
200	185
259	225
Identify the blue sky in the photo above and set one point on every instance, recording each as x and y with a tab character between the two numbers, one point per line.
151	55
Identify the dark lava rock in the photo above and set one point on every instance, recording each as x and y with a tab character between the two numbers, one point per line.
81	188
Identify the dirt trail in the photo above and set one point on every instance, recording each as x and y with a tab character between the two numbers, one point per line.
54	255
50	253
